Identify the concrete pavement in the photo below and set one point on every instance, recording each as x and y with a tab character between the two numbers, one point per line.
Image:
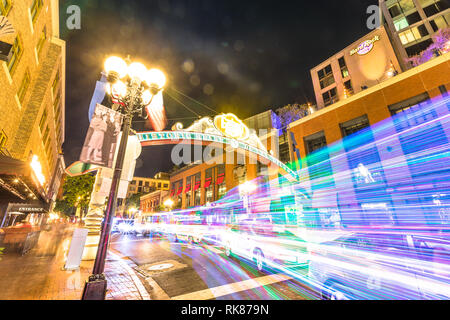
39	274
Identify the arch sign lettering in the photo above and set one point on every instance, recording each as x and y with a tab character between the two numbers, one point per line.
226	129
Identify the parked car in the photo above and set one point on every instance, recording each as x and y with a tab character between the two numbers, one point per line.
381	266
265	244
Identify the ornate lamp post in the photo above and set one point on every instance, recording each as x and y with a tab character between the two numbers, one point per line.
133	87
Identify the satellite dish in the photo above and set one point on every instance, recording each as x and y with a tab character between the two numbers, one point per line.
5	26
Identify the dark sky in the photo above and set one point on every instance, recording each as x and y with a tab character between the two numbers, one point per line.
241	56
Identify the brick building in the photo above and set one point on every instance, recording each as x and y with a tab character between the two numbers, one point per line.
143	185
203	182
32	102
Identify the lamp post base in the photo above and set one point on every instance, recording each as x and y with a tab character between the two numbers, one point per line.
95	288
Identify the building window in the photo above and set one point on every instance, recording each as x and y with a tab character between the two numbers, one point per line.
55	85
284	148
315	142
240	173
197	190
439	23
350	127
35	9
348	88
188	191
3	140
413	34
418	47
436	7
140	183
24	86
41	41
326	77
43	120
401	7
45	136
409	113
17	51
5	7
443	91
401	24
330	97
220	181
343	66
209	185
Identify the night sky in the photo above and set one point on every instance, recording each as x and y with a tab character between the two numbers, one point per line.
241	56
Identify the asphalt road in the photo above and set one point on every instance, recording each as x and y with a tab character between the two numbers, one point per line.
172	270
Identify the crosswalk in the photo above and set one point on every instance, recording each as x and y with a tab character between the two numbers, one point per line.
235	287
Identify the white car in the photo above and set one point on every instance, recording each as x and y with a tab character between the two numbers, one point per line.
265	244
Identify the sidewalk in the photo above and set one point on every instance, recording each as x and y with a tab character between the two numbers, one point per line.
39	274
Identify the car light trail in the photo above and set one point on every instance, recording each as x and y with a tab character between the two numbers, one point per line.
370	218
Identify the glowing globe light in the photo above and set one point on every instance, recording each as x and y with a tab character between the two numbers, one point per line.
37	169
137	71
168	203
116	65
118	89
156	78
146	97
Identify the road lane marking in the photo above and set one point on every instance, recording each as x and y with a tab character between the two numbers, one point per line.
158	292
231	288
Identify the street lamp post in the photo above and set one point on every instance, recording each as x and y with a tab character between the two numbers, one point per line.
134	94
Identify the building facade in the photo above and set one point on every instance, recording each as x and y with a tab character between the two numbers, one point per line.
32	97
152	202
347	149
363	64
143	185
412	23
204	182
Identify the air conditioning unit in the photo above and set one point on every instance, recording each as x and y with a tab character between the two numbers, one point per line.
5	51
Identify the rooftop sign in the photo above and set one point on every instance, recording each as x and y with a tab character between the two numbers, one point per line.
365	47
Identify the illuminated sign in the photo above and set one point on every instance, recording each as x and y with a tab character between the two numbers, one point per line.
365	47
37	169
231	126
205	137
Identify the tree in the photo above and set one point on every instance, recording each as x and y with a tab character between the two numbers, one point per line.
64	207
76	193
288	114
134	201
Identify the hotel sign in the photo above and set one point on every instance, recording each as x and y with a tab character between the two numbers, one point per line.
365	47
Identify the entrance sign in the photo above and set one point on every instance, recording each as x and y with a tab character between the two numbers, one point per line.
172	137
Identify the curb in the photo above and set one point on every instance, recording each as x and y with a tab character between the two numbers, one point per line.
142	291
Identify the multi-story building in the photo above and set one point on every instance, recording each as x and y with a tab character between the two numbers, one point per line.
363	64
412	23
32	101
141	185
151	202
203	182
347	149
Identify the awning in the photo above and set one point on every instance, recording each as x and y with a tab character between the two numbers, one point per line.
17	179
